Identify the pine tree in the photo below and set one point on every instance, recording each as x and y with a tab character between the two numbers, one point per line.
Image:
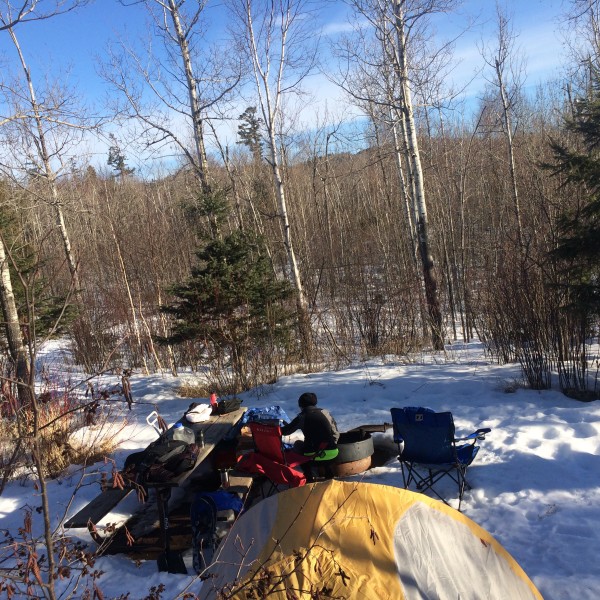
117	160
578	245
232	304
249	132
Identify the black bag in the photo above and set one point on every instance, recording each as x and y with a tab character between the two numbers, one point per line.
184	461
227	406
157	462
158	451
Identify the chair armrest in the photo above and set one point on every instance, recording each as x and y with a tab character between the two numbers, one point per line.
476	435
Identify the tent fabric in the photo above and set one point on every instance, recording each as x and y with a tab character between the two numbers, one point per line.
360	540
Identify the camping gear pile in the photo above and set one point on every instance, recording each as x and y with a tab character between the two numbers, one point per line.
176	449
160	461
334	538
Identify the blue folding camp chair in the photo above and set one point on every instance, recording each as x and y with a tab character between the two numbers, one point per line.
428	450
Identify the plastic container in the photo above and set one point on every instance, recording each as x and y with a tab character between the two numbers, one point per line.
181	433
225	478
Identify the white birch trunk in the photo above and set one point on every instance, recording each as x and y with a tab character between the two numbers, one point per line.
511	153
48	173
196	114
17	349
417	171
270	103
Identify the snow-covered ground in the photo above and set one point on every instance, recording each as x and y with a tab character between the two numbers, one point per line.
536	478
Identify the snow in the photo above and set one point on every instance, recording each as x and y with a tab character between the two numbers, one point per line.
535	480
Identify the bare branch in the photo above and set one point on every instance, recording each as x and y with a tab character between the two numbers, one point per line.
28	10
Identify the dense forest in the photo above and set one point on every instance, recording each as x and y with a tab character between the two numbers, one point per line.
426	220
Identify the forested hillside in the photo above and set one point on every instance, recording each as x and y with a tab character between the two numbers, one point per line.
423	216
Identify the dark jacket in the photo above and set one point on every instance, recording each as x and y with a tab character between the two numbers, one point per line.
318	426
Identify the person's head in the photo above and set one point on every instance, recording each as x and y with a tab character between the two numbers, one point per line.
307	399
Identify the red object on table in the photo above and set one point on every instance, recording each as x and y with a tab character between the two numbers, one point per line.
213	400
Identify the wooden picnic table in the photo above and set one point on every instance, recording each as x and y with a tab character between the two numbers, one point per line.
208	434
216	429
211	432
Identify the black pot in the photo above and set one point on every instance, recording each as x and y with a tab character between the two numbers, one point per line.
354	446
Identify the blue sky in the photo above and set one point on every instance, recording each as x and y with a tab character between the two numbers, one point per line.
75	40
72	42
537	25
67	47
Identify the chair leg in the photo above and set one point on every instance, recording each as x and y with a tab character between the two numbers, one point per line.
272	490
463	484
264	487
328	470
426	479
407	475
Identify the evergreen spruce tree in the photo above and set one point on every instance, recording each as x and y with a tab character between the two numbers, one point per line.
232	304
116	159
249	132
578	247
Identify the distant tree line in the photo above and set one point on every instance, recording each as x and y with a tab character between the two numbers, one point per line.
300	248
427	221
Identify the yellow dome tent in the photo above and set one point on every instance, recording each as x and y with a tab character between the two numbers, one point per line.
358	540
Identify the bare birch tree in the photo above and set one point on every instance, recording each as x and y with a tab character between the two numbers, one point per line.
18	351
582	37
37	125
23	11
276	43
507	71
182	77
41	137
398	27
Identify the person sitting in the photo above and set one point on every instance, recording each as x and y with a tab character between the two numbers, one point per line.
318	426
